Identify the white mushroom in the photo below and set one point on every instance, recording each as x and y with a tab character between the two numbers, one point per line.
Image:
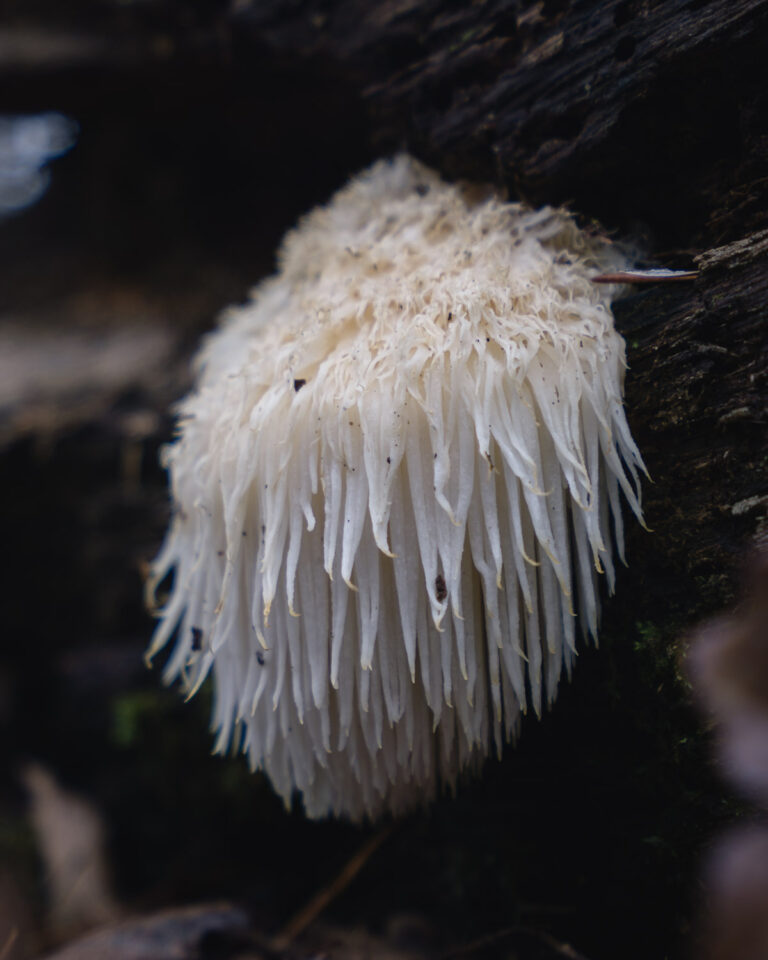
395	484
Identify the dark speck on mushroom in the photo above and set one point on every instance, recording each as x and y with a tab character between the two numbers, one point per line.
441	591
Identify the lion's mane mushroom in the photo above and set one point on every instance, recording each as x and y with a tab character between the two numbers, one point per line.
395	482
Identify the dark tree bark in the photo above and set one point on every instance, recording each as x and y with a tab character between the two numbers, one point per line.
205	130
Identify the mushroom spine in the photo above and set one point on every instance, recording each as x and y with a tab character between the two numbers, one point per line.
395	483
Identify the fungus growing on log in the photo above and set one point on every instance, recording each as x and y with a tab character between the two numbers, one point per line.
395	484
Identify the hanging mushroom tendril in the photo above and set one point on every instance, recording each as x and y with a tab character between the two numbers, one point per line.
396	481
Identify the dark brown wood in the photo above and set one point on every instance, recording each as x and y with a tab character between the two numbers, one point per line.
635	111
696	397
206	129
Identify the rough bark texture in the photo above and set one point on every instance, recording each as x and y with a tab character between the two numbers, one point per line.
631	111
205	129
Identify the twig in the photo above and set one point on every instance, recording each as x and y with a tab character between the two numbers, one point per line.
561	949
656	275
8	945
308	914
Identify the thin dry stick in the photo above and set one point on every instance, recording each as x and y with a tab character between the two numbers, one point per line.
656	275
8	945
563	949
308	914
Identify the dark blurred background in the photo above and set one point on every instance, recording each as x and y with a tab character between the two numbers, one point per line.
152	154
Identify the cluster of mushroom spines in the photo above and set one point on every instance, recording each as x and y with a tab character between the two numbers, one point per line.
395	484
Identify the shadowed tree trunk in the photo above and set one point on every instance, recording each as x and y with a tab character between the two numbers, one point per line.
204	131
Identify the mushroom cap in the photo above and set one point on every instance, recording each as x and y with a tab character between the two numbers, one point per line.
395	483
